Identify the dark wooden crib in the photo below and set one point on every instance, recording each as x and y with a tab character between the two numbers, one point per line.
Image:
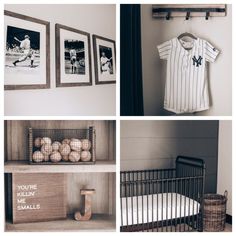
163	199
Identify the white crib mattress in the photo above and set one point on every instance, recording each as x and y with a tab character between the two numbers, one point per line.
181	206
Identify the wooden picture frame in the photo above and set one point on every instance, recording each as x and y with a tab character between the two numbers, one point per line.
104	73
19	73
72	72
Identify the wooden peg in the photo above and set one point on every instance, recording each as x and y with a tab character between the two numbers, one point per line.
207	15
168	16
88	205
187	15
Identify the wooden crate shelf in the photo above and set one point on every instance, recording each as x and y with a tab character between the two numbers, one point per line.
100	176
24	167
97	223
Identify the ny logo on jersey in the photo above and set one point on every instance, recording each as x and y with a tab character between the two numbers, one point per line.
197	61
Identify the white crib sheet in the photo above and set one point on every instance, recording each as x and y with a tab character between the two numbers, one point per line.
181	202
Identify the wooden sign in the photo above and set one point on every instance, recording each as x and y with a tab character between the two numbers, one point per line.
38	197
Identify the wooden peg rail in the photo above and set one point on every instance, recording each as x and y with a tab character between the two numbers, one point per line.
168	11
87	207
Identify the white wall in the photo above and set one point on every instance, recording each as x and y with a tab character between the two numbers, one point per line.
156	144
224	176
217	30
85	100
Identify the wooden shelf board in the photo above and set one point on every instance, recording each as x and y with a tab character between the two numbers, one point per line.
25	167
97	223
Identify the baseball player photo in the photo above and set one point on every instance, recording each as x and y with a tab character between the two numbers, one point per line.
22	49
27	51
74	57
106	64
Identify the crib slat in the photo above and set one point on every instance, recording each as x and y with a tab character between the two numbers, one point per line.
162	206
121	195
185	192
176	183
194	188
126	205
181	182
132	203
157	207
146	208
197	204
137	204
189	196
171	214
167	204
142	208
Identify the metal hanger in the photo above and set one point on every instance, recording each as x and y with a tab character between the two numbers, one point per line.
186	34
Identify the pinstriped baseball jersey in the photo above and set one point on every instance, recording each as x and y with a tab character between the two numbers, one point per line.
186	87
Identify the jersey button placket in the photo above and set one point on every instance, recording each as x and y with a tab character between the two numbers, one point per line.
185	66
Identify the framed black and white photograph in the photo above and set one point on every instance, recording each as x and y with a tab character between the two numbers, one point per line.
104	60
73	57
27	57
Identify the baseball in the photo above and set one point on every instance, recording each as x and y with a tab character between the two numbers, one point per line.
46	140
86	144
38	156
55	157
85	156
55	146
66	141
75	144
65	158
74	156
37	142
46	149
64	149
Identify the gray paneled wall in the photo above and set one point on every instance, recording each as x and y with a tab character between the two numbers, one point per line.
156	144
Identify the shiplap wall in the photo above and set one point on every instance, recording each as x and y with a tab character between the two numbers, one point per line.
104	200
156	144
224	176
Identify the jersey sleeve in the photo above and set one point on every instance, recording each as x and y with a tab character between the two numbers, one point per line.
211	52
164	49
22	44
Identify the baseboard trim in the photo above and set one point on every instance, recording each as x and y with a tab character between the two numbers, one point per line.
229	219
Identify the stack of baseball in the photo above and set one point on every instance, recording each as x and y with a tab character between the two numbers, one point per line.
72	150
